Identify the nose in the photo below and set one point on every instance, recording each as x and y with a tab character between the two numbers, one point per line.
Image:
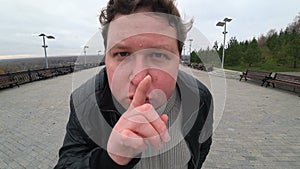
140	70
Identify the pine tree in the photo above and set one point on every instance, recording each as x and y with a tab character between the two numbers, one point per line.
194	58
253	53
233	53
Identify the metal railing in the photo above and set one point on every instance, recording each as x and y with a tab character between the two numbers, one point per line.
18	78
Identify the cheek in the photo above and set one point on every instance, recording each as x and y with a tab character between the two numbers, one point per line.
118	80
164	82
113	71
110	69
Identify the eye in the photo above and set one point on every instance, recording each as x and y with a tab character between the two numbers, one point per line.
121	54
159	55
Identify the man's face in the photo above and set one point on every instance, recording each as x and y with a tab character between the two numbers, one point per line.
139	45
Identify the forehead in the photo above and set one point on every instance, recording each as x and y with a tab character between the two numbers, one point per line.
126	26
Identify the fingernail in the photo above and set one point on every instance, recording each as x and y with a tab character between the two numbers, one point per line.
166	137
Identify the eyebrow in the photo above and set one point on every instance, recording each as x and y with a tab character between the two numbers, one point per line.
120	46
164	47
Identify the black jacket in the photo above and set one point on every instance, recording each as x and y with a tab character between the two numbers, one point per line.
93	115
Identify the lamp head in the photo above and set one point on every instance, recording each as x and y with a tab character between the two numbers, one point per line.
50	37
227	20
220	23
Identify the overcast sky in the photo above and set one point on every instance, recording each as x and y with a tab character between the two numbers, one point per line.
75	22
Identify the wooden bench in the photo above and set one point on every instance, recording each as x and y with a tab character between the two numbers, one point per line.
45	74
257	75
7	81
198	66
284	79
65	70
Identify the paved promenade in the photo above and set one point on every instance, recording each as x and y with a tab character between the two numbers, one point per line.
259	127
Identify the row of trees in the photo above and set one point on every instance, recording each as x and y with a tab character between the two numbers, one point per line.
22	64
277	48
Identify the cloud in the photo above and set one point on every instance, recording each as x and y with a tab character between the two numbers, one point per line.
71	22
74	22
251	18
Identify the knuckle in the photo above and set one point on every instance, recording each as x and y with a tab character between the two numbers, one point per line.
162	128
125	135
144	108
139	144
138	120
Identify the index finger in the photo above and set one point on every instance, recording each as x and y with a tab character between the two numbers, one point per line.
140	95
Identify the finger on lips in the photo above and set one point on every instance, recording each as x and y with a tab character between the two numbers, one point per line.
140	95
143	122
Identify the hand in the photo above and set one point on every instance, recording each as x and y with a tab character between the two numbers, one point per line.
137	126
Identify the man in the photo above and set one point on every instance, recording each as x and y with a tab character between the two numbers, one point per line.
140	111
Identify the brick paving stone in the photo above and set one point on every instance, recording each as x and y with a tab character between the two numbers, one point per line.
258	128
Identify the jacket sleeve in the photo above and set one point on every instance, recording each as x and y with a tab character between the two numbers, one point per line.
80	152
205	137
204	149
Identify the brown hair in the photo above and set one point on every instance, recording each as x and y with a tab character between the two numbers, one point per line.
130	6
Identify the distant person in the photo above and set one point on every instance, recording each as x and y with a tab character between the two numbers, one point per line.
139	111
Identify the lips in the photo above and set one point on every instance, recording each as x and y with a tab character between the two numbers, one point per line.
131	97
146	101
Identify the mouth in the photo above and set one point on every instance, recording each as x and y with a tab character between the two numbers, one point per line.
131	97
147	100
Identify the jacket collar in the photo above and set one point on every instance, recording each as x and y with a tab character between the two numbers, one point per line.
105	99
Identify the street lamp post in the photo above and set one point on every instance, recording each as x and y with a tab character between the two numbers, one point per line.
190	40
45	46
84	50
223	23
